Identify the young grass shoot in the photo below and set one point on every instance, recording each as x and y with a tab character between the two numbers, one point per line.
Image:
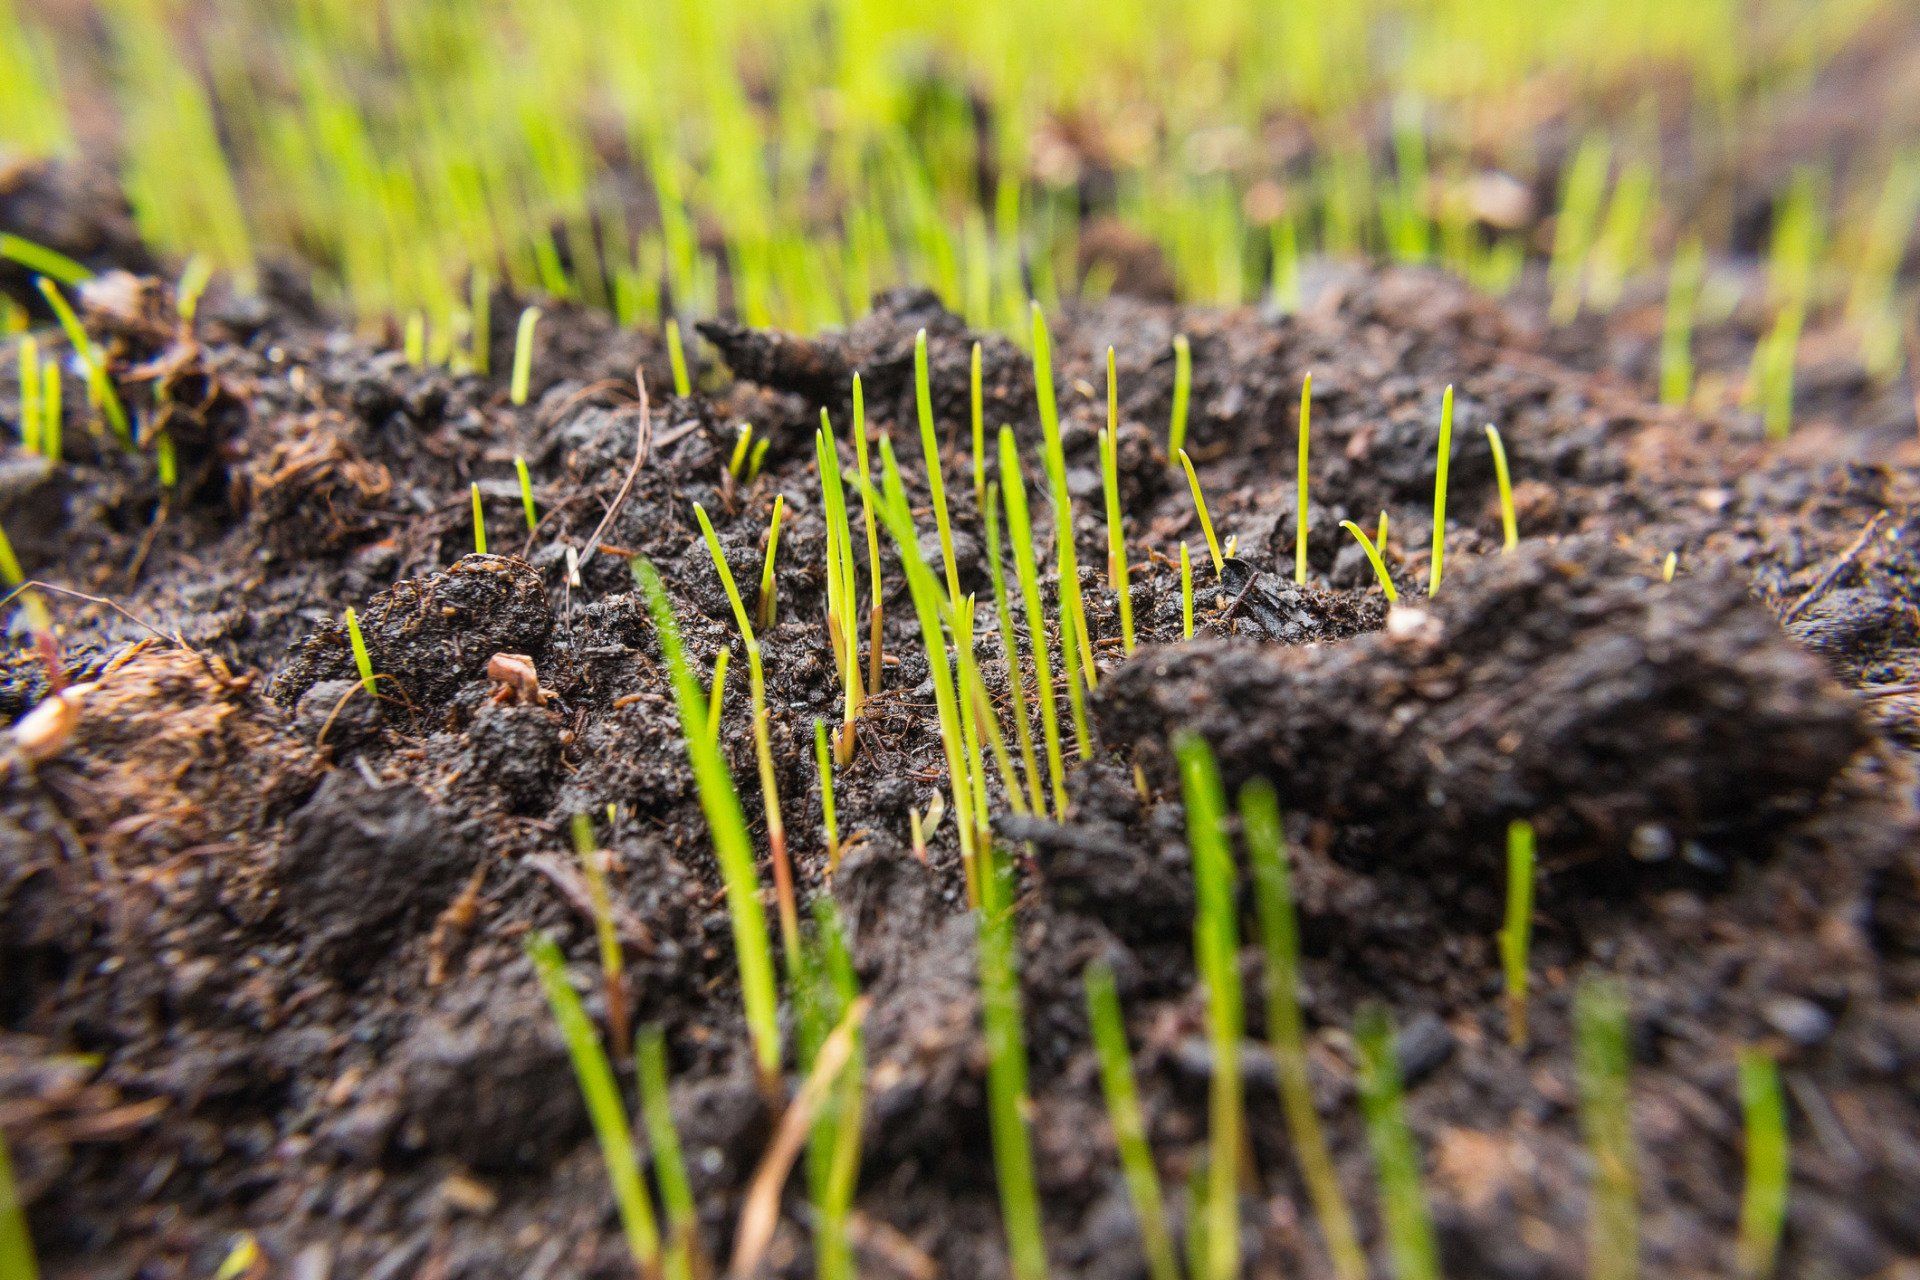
1129	1129
1444	457
1516	935
1266	841
728	825
1216	946
1606	1118
1396	1161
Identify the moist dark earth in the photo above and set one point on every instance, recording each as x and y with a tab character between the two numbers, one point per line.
263	936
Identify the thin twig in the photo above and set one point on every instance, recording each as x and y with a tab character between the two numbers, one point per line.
643	439
1832	575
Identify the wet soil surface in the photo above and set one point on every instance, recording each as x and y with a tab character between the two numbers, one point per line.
263	935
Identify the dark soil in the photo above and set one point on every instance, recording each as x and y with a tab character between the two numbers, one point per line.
263	935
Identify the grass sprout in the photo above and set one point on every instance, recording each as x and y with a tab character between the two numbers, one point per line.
50	392
479	520
669	1162
1676	331
976	402
1129	1130
1516	935
721	805
480	313
1373	556
41	260
1027	571
414	343
717	694
92	359
1396	1161
875	615
1606	1118
1763	1202
769	604
833	1150
1008	1103
823	761
842	634
1265	837
936	483
604	1107
1577	225
526	494
1116	537
1300	501
523	356
1216	949
742	449
1186	593
762	747
1440	490
1206	521
1182	394
677	360
361	661
1509	523
10	572
27	353
606	937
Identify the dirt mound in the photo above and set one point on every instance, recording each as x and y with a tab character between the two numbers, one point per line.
1562	683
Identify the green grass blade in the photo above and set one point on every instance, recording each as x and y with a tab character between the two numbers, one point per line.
604	1107
936	481
1216	951
41	260
1182	394
1763	1204
1606	1118
523	356
1027	570
721	804
1396	1161
1440	490
1516	935
1286	1027
1300	482
1007	1100
16	1245
669	1163
1129	1130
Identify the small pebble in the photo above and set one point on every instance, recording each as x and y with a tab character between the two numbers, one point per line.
1801	1021
1425	1044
